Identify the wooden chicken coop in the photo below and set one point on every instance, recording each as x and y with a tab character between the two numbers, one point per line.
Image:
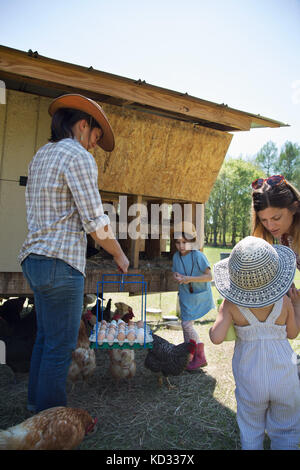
169	149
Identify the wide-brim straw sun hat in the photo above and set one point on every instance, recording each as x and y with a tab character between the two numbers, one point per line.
256	273
81	103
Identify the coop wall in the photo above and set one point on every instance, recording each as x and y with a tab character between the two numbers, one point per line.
159	157
154	157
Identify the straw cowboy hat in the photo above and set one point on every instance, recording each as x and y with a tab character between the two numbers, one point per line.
74	101
256	273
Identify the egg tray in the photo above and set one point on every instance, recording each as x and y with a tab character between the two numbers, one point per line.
115	344
121	280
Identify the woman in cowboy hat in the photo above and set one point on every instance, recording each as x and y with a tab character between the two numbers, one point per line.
276	212
63	204
254	281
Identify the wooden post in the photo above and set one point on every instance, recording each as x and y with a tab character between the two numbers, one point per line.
135	244
152	245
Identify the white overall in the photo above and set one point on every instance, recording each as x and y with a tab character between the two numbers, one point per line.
267	383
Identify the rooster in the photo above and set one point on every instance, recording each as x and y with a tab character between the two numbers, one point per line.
83	358
123	311
122	363
57	428
169	359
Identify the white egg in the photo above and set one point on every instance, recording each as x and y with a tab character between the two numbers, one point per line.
140	336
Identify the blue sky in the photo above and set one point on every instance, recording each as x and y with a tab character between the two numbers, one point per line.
239	52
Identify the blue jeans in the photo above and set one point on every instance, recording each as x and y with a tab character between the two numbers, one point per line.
58	294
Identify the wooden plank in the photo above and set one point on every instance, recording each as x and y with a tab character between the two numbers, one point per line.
44	69
14	284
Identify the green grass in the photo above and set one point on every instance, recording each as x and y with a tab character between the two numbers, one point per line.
213	253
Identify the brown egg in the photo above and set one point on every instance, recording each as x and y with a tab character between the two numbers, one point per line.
110	338
101	336
121	338
130	323
131	336
140	324
111	332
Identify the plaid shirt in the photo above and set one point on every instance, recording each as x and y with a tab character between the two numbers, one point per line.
63	203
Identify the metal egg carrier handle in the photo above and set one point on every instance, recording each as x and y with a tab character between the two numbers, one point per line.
122	280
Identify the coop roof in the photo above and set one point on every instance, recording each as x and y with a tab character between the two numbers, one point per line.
32	73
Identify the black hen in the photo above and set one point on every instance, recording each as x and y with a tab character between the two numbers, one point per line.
169	359
107	313
11	310
18	334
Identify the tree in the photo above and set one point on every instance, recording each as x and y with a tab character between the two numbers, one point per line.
267	158
212	213
227	211
289	162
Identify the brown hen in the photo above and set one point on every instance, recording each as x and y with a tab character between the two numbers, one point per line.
57	428
83	358
122	363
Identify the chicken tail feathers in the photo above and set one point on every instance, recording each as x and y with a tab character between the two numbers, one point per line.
10	440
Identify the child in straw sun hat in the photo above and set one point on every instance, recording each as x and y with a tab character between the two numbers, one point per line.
193	274
254	281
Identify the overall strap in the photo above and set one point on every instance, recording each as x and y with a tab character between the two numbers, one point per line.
271	319
276	311
251	319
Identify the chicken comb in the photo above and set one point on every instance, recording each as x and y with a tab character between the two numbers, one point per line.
193	341
91	427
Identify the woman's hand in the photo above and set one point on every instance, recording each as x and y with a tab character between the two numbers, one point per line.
122	262
294	295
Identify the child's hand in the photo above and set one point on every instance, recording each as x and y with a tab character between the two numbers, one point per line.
180	278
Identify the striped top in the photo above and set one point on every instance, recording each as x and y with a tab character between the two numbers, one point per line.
63	203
